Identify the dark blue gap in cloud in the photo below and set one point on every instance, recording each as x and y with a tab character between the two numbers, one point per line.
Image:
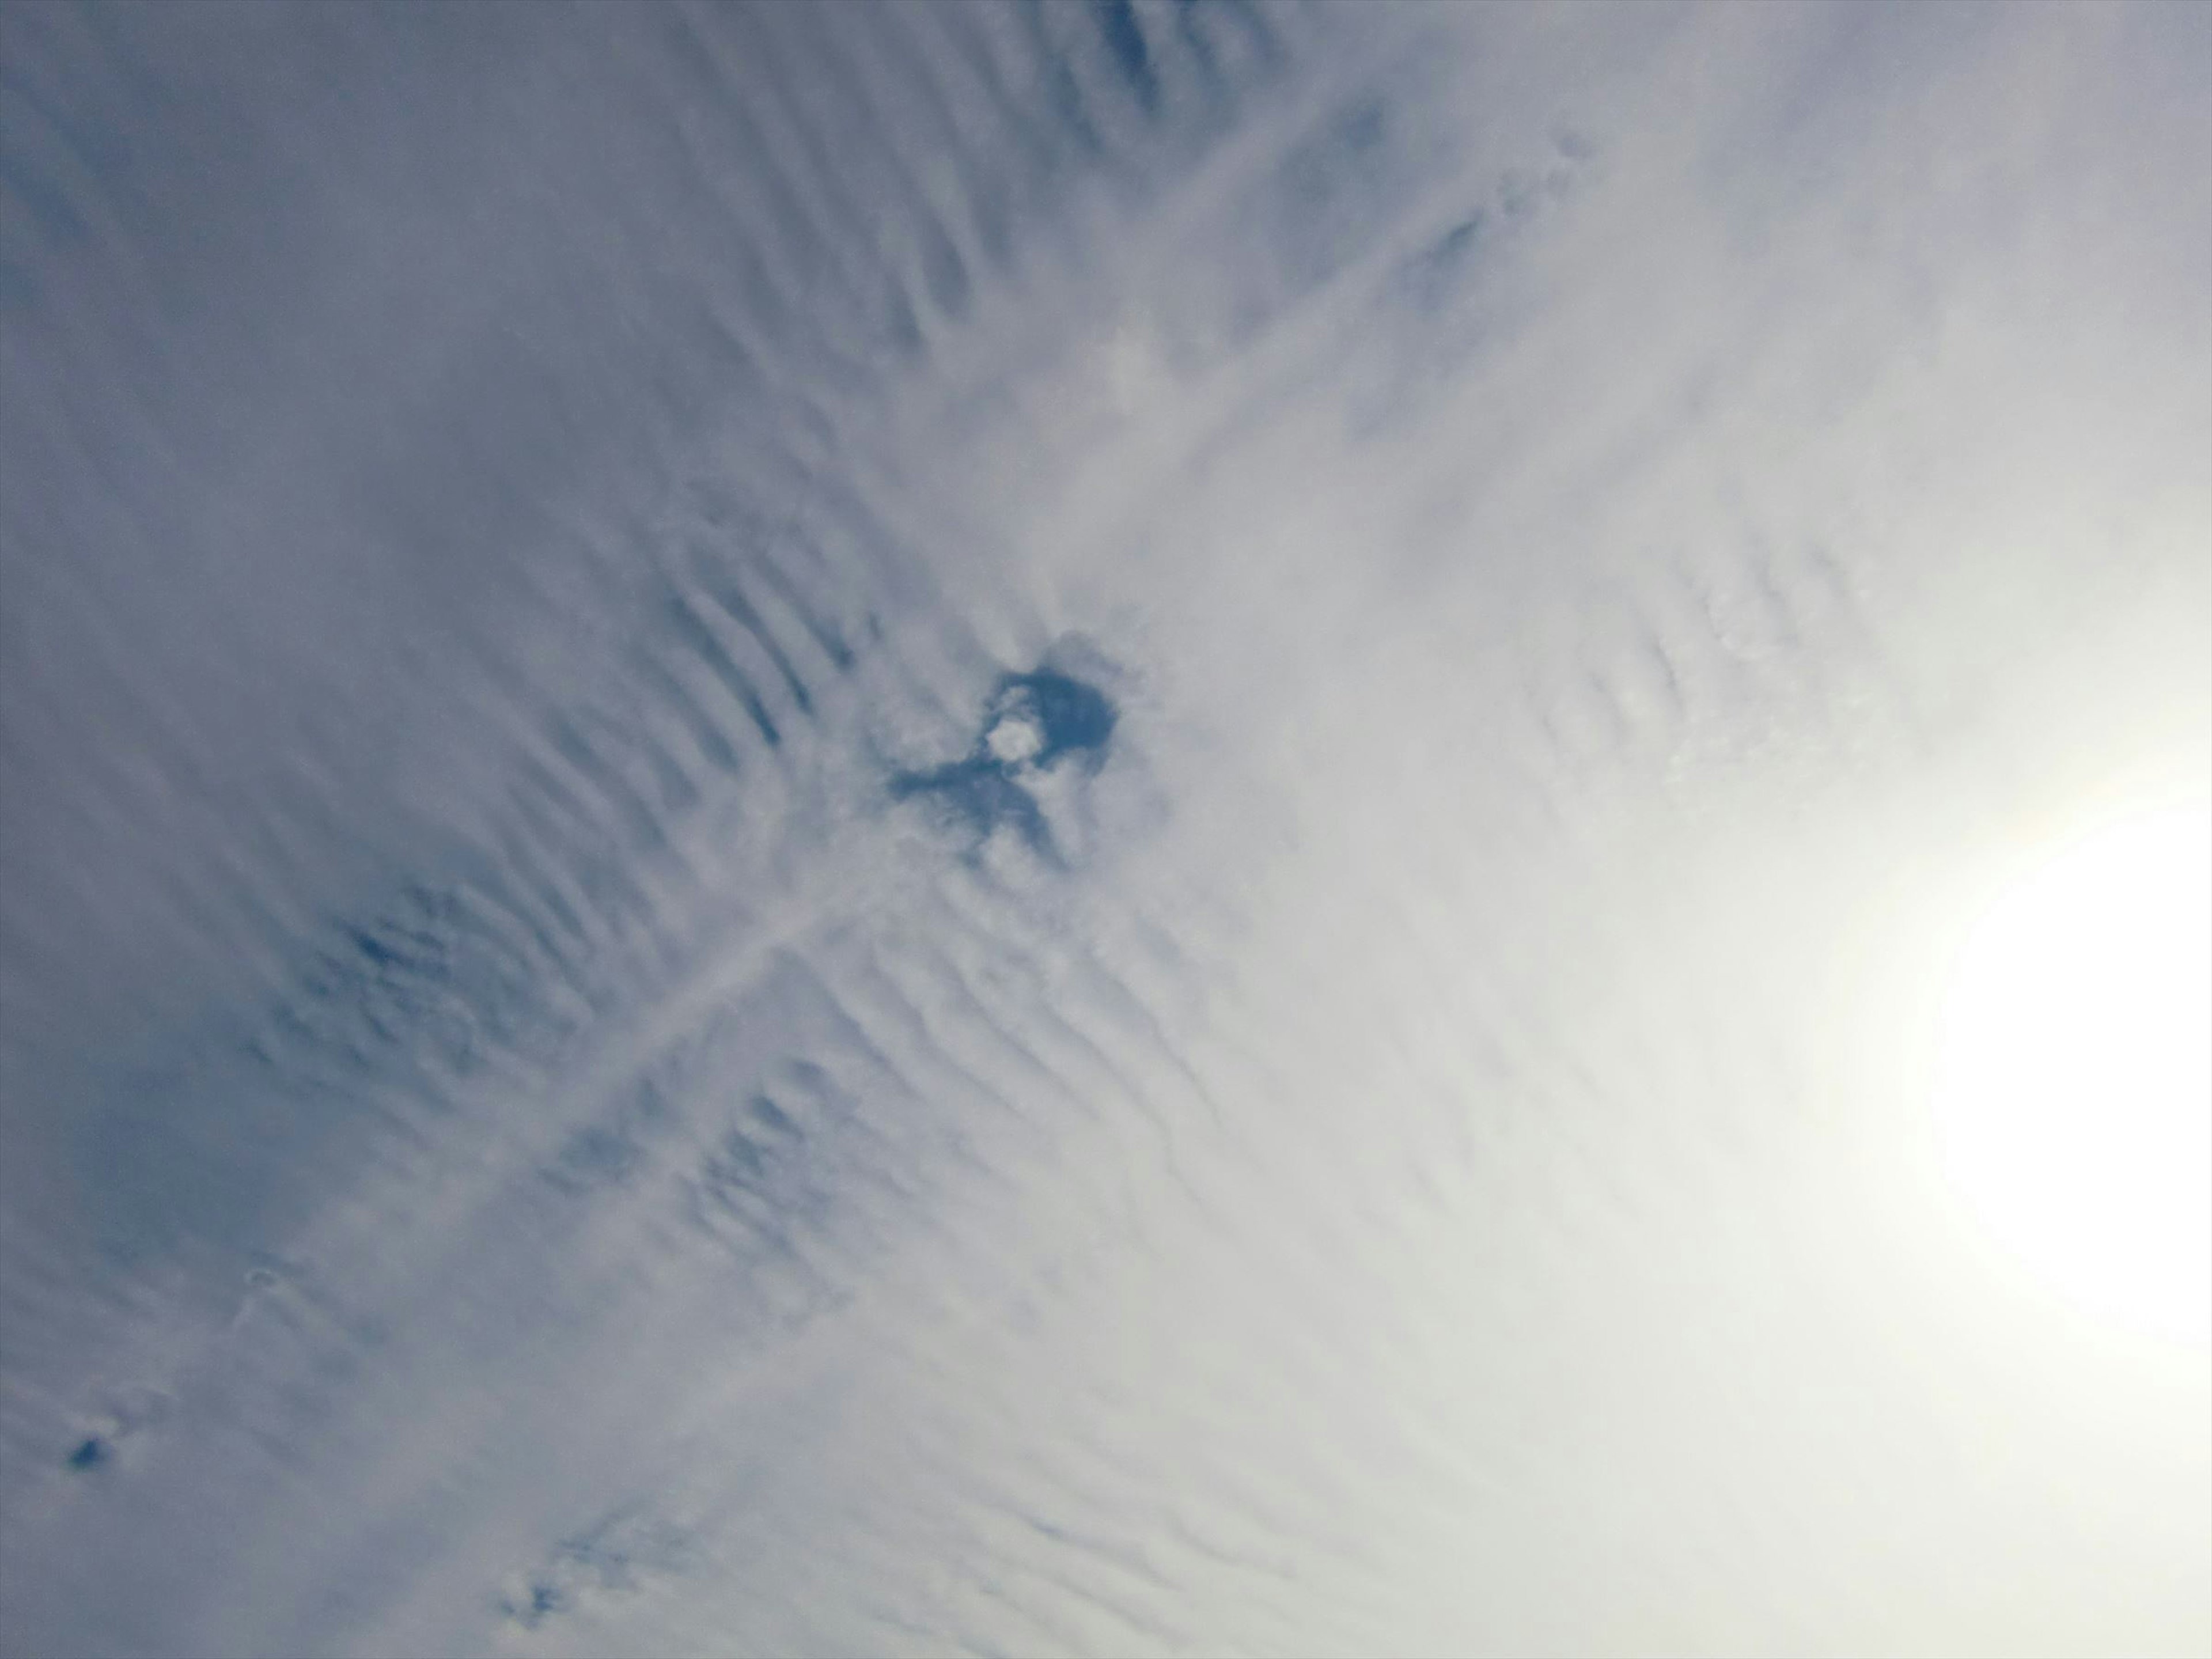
1125	42
1068	719
1076	718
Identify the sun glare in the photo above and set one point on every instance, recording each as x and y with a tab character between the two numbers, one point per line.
2073	1095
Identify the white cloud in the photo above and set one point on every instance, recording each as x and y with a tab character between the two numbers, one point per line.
590	1070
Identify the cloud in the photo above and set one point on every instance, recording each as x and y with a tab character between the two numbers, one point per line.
1064	828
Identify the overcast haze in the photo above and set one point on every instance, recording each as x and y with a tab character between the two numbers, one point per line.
1044	829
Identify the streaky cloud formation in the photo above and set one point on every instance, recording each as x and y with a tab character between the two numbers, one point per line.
1046	828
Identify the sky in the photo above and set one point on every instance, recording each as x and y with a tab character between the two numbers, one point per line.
1056	828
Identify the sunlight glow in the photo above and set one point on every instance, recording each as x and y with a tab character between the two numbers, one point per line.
2074	1094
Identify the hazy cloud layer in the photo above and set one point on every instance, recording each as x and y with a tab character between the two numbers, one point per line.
1115	829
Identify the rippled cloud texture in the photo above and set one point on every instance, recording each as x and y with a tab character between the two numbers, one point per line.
1048	829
